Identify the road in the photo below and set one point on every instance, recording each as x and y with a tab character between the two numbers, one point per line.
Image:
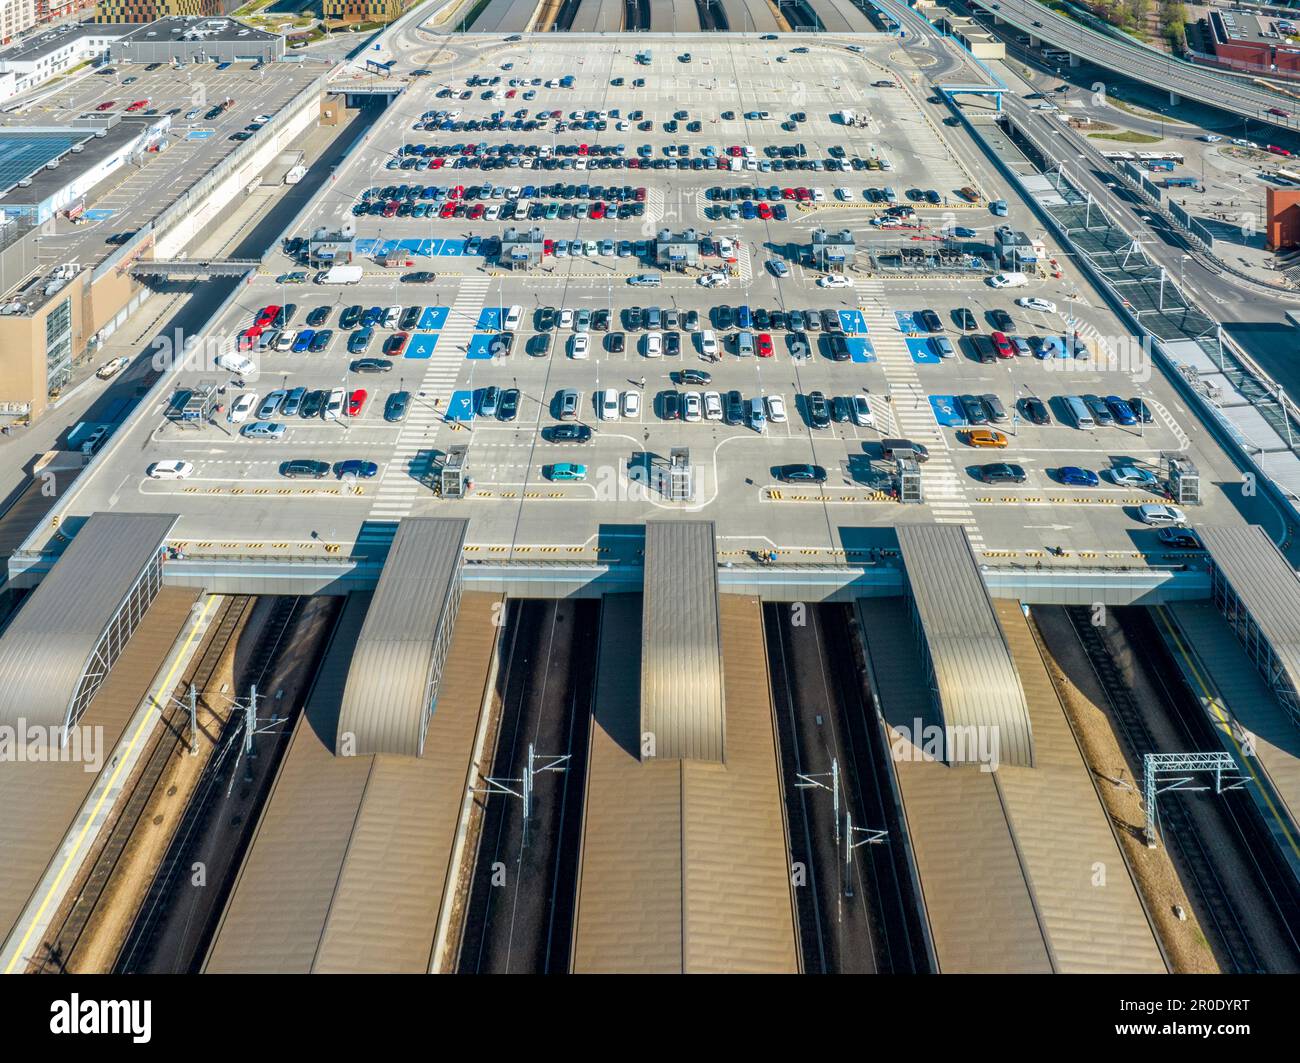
1142	63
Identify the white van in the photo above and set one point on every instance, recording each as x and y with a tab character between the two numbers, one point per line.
235	363
1079	413
392	316
1008	280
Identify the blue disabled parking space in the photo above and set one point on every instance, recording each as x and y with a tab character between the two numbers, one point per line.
461	406
478	347
921	351
853	322
860	350
433	317
98	214
422	345
907	321
366	248
421	248
946	411
454	248
199	134
490	317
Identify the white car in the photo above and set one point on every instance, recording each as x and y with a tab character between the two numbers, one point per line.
169	470
1032	302
607	403
566	318
579	345
284	341
631	404
334	405
712	406
392	316
834	280
715	280
653	345
844	194
514	318
862	415
1210	138
112	368
708	343
775	409
819	195
691	407
262	118
1158	515
242	407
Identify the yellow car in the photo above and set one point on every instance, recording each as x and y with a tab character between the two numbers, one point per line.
985	437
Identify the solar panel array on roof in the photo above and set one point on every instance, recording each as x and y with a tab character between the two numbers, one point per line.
24	152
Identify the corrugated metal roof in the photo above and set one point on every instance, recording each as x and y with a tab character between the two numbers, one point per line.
749	16
47	646
1266	584
681	664
392	667
348	868
978	903
598	16
507	16
977	681
42	799
674	16
1064	836
684	865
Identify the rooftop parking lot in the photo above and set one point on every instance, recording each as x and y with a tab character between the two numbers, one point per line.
581	328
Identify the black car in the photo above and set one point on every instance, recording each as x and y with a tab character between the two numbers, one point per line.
839	348
349	317
614	342
321	340
1180	538
633	316
964	319
801	474
371	365
501	344
831	321
972	408
568	433
508	407
929	321
318	316
285	317
733	407
312	403
1141	410
305	468
672	344
410	318
395	409
762	319
1035	411
670	405
1000	472
841	409
546	319
724	317
692	376
600	320
819	410
1001	320
779	321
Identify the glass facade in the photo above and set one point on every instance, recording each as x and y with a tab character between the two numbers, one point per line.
115	636
1256	644
58	346
441	644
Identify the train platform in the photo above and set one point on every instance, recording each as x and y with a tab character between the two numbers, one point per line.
1248	717
351	865
1006	859
55	808
683	865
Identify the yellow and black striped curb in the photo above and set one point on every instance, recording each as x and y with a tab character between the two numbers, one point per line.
355	490
774	494
1035	499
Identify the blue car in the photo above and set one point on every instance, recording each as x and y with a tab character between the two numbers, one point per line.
779	212
1121	410
302	342
1073	476
1049	347
963	232
748	211
372	317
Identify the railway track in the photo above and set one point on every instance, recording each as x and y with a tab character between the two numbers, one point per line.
169	736
1214	888
144	928
823	714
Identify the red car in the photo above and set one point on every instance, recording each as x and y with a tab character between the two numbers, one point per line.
1278	151
582	149
107	105
597	211
787	193
764	345
248	338
477	212
390	208
1279	112
139	105
548	247
448	209
1003	345
510	94
265	317
356	401
396	344
802	195
457	192
640	195
437	162
764	211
